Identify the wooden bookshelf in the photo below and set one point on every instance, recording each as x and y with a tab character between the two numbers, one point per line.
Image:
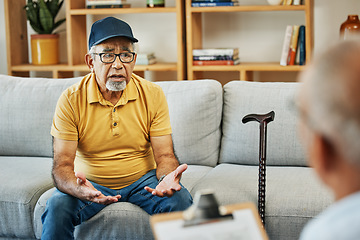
249	8
76	13
76	39
112	11
194	39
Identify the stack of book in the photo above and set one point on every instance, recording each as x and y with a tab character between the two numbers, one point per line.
107	4
214	3
216	56
292	2
145	59
294	51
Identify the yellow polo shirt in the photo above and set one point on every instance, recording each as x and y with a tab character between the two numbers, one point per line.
114	147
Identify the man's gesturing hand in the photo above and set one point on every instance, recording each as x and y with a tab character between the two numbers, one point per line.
170	184
89	193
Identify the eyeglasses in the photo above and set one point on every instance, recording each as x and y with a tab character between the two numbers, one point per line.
125	57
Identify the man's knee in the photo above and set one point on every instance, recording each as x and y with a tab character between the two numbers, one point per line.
60	206
180	201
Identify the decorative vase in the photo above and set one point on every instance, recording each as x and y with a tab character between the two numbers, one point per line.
45	49
350	28
274	2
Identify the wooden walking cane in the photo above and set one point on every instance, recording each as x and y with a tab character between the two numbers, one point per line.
263	119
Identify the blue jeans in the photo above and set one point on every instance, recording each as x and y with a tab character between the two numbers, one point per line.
63	212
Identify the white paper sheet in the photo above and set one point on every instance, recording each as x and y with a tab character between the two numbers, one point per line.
242	227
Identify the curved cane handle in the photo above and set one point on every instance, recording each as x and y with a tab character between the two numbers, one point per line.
268	117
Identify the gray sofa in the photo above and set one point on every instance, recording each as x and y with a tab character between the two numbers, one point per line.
208	134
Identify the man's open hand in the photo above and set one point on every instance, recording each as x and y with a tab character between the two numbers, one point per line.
170	184
89	193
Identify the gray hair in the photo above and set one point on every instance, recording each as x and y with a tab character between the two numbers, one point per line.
332	92
92	51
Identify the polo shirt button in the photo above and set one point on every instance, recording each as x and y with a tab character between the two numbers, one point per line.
114	109
115	124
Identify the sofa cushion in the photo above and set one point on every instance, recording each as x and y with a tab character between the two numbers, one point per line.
192	175
27	108
231	183
23	180
113	217
293	194
195	113
240	142
118	220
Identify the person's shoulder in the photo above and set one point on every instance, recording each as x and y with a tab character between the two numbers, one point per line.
338	221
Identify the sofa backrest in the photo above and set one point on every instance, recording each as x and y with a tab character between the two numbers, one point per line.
27	108
195	109
28	104
240	142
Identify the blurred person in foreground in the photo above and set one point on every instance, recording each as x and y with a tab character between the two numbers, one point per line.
329	105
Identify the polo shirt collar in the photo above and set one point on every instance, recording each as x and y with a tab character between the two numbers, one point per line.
94	94
93	89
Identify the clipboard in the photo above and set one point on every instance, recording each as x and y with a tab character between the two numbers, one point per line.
246	224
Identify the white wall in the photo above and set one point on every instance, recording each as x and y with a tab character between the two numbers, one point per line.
259	35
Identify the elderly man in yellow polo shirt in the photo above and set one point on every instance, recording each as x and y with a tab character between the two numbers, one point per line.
112	139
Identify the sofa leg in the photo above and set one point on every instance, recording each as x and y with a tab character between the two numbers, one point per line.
263	119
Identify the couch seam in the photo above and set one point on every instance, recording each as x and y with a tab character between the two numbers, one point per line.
28	202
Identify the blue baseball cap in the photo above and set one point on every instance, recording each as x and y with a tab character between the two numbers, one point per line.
109	27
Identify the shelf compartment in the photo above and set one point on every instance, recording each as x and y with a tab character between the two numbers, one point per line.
48	68
249	67
83	68
245	69
248	8
110	11
194	39
76	13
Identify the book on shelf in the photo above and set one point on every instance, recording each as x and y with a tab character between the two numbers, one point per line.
216	62
145	59
292	2
286	45
214	57
293	51
216	52
293	45
302	48
106	4
214	4
109	6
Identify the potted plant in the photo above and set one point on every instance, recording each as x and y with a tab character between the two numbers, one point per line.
45	44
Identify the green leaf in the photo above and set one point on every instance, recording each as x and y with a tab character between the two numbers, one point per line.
52	5
41	15
46	19
37	28
58	23
32	14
